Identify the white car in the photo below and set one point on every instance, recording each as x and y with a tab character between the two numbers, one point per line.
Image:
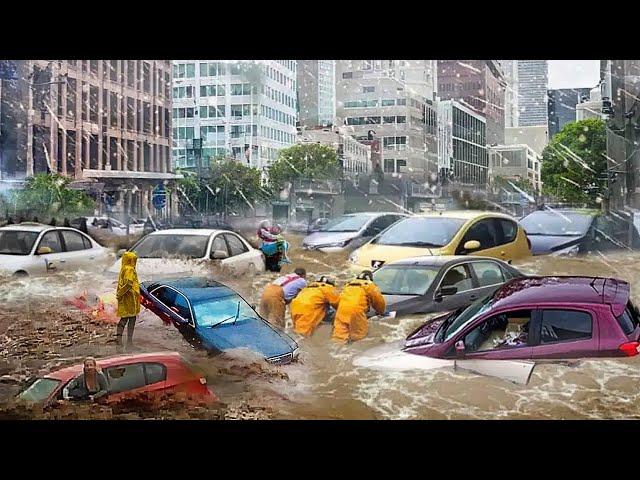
36	249
180	251
98	225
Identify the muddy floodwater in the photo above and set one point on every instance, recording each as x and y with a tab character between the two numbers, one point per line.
39	332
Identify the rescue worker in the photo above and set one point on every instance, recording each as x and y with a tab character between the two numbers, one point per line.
357	297
128	296
279	294
312	304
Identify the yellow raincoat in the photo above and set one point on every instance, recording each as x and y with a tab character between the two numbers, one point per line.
128	293
351	321
309	307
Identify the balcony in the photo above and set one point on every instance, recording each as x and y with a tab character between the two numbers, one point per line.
423	191
325	187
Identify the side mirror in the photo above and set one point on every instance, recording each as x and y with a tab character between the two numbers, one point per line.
44	250
121	252
471	245
219	255
444	292
460	347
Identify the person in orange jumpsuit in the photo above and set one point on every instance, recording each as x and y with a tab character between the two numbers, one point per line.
311	305
278	294
357	297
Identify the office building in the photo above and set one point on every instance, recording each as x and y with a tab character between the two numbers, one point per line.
316	93
590	107
515	162
532	93
562	107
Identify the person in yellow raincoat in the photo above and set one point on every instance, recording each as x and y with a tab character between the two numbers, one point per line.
357	297
310	307
128	296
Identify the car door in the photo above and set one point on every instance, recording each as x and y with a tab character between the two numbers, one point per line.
125	380
506	239
155	376
79	251
239	255
489	275
565	333
219	244
56	261
483	231
458	276
171	306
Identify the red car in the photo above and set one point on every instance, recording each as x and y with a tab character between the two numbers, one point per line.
127	375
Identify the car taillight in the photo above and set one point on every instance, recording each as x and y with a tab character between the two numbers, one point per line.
630	348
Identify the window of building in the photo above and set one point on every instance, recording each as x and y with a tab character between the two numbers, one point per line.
389	165
371	89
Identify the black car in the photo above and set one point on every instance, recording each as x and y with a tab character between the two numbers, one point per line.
569	231
432	284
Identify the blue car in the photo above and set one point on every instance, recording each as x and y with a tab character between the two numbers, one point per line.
215	317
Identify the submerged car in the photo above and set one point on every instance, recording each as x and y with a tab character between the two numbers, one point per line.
213	316
537	318
568	231
166	251
126	375
349	231
36	249
440	283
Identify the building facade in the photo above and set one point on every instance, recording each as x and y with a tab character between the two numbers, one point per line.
510	70
515	162
535	137
316	92
462	145
562	107
355	156
478	85
590	107
106	123
240	109
375	105
533	79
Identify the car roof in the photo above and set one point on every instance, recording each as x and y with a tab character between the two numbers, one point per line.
580	211
438	260
370	214
190	231
196	289
465	214
28	227
570	289
68	373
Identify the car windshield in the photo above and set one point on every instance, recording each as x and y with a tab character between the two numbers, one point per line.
221	311
556	223
160	246
402	280
16	242
456	322
345	223
421	232
39	390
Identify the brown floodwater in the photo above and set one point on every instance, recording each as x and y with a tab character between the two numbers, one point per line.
324	383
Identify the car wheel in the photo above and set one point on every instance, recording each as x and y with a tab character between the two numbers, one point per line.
20	274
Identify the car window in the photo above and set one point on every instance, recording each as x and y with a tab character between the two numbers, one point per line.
182	304
488	273
396	280
172	245
219	244
505	330
235	245
458	277
156	372
16	242
628	320
509	230
86	242
51	240
165	295
421	232
125	377
39	390
565	326
73	241
483	231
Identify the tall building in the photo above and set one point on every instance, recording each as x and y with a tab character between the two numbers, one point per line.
243	109
516	162
510	70
372	100
478	85
591	106
462	150
532	92
105	122
316	92
562	107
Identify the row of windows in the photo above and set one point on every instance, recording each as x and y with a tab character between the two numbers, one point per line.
394	142
374	103
277	115
394	166
375	120
277	135
183	92
184	70
211	111
216	133
278	96
212	91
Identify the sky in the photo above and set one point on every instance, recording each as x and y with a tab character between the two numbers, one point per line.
573	73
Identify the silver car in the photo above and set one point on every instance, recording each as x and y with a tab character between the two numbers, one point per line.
350	231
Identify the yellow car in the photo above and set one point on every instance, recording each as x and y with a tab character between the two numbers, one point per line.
464	232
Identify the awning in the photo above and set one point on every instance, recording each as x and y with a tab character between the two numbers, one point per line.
125	174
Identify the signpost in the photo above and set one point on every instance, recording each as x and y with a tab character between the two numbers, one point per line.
159	197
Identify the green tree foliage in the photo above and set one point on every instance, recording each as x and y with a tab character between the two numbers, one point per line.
311	160
574	163
49	194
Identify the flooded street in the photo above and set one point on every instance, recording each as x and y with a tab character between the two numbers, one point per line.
38	332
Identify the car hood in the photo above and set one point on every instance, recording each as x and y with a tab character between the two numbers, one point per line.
370	253
148	268
252	333
326	238
542	244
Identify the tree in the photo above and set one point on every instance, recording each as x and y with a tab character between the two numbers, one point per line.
311	160
49	194
574	165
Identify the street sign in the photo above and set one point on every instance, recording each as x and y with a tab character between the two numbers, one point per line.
159	197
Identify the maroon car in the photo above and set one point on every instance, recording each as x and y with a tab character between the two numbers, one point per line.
537	318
